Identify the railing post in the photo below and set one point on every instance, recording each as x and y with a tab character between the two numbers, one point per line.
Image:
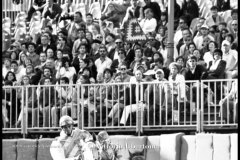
140	110
200	111
24	111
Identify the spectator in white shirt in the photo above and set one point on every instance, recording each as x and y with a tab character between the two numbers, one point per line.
103	61
204	33
148	24
208	56
214	18
231	57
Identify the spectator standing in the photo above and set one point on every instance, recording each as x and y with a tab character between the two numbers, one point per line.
74	26
231	58
214	18
103	61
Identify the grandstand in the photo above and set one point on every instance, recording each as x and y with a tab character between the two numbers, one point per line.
51	72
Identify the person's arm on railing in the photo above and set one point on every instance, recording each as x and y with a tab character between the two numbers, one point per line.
230	95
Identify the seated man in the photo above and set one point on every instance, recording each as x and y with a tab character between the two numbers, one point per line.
136	101
69	144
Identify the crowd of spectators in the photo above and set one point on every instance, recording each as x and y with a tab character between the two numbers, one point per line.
90	52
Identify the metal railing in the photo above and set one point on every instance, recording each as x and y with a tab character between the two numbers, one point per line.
215	113
137	106
9	9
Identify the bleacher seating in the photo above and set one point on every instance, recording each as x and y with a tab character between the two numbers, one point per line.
175	146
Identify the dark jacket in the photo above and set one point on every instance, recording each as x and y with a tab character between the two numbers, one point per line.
219	71
196	75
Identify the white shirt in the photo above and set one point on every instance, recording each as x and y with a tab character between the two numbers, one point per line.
101	66
148	25
207	57
67	73
214	65
231	59
199	41
5	71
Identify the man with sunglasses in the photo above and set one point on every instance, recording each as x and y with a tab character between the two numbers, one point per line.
67	145
121	59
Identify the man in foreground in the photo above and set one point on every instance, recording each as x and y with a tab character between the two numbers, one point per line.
68	146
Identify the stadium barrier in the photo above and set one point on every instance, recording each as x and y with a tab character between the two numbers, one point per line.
10	9
135	106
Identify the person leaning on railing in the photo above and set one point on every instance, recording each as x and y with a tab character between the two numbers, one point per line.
229	105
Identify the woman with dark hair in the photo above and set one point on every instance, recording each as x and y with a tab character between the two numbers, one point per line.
163	20
199	57
208	56
163	50
216	67
229	37
191	47
182	65
66	70
10	76
222	36
81	54
155	56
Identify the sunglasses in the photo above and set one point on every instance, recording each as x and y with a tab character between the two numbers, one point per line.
99	37
123	69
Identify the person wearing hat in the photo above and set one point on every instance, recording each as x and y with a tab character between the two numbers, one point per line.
109	150
231	58
204	29
68	145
